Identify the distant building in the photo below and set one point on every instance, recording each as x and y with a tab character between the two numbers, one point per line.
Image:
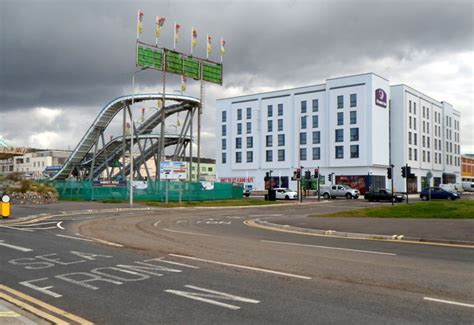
343	127
34	164
467	170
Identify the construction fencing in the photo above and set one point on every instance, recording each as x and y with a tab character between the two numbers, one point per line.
164	191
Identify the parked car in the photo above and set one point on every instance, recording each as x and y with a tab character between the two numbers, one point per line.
285	194
246	193
333	191
438	193
383	194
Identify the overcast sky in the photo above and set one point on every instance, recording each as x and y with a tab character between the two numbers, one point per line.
62	61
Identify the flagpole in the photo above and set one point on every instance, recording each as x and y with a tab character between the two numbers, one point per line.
207	49
192	39
138	25
222	56
174	40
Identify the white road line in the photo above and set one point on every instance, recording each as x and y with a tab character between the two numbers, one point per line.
176	263
19	229
328	247
449	302
243	267
100	240
209	301
18	248
186	233
33	224
71	237
156	223
59	225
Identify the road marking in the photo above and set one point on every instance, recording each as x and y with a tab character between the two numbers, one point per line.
204	297
16	228
59	225
449	302
156	223
264	215
18	248
186	233
41	304
244	267
328	247
9	313
176	263
76	238
100	240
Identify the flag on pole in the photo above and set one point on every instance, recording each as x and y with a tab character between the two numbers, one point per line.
183	84
222	48
140	23
194	36
209	45
176	33
160	21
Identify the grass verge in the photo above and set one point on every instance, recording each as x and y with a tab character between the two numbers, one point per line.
461	209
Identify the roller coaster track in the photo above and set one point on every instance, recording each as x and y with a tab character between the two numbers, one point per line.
80	154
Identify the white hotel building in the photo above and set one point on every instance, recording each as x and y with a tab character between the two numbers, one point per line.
342	127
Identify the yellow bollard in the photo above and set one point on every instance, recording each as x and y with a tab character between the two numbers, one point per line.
5	206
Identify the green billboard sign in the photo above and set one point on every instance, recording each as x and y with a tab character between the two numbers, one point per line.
149	56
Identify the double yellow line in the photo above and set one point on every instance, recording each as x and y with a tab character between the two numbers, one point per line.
40	308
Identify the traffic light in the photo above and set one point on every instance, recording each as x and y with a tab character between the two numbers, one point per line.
307	174
389	172
404	172
298	173
330	177
316	173
408	171
267	177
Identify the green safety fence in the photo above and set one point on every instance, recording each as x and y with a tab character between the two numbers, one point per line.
153	191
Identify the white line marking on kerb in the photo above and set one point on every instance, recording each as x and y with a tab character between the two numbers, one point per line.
59	225
244	267
449	302
76	238
156	223
100	240
19	229
328	247
186	233
18	248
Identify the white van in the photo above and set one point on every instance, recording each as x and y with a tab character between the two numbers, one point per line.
468	186
452	187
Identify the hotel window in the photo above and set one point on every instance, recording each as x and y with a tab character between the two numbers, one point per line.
249	142
281	155
415	139
316	153
224	158
428	127
239	128
339	152
303	106
415	154
269	110
409	122
315	105
414	123
353	100
281	140
316	137
269	141
340	118
303	154
339	135
280	125
428	142
249	127
224	144
409	153
224	116
238	157
354	134
414	108
249	156
239	114
280	109
355	151
303	122
269	155
238	143
249	113
340	101
224	130
428	115
269	125
428	157
353	117
423	111
303	138
409	137
315	121
423	141
409	106
423	155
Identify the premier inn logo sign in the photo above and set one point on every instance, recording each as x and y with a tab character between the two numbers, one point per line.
381	98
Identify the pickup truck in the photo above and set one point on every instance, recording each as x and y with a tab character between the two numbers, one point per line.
333	191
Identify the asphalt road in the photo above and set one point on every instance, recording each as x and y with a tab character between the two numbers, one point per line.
206	266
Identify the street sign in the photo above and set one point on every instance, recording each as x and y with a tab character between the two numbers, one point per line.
175	170
429	175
